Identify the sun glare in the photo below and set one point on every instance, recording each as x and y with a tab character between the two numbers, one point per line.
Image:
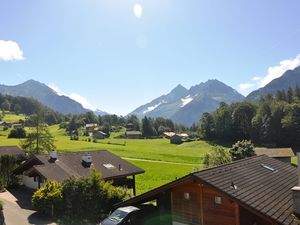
138	10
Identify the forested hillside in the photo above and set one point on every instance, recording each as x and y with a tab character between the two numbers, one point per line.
28	106
273	121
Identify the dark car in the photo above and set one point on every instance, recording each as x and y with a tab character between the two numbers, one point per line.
130	215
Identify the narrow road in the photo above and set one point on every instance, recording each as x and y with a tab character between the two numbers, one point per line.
158	161
15	215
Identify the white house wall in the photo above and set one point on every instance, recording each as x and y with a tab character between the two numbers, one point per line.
30	183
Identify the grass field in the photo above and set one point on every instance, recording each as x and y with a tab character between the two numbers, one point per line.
12	118
162	161
166	161
158	173
153	149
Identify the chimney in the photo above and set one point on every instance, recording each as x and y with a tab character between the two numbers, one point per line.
296	191
87	160
120	167
53	155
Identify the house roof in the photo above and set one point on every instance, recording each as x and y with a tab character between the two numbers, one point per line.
169	134
70	164
134	132
275	152
262	184
11	150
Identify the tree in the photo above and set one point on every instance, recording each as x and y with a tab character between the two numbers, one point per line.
223	122
135	121
147	127
7	165
106	129
242	149
17	133
5	105
17	109
39	139
241	120
207	126
216	156
290	94
291	124
90	117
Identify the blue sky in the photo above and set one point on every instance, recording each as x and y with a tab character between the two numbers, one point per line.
101	51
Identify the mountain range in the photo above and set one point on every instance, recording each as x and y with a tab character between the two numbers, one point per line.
185	106
290	78
182	105
46	96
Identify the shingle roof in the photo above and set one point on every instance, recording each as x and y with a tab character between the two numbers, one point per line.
11	150
275	152
70	164
133	132
257	186
261	183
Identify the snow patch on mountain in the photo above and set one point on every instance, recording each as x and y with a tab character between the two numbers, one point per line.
186	100
151	108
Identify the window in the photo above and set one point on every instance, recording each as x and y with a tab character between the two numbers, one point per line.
109	166
218	200
186	196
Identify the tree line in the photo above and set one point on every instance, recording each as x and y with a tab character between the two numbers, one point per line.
28	106
150	127
274	120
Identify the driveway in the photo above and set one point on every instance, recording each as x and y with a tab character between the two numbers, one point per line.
18	209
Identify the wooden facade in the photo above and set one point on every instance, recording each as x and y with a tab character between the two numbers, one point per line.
196	203
253	191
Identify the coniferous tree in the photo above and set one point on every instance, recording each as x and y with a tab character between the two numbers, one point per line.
39	139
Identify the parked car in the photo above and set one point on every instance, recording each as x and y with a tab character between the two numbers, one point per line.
130	215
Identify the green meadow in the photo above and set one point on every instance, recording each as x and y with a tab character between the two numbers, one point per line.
13	117
162	161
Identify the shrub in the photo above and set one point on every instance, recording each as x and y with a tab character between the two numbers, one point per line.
82	200
1	184
17	133
242	149
90	197
48	197
7	165
217	156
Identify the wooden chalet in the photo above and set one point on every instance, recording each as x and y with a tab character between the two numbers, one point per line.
61	166
15	151
253	191
282	154
133	135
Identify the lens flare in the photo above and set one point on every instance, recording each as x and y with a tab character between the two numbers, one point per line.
138	10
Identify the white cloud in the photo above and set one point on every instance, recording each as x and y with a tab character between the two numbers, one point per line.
256	78
273	73
10	50
246	86
277	71
55	88
77	97
82	100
